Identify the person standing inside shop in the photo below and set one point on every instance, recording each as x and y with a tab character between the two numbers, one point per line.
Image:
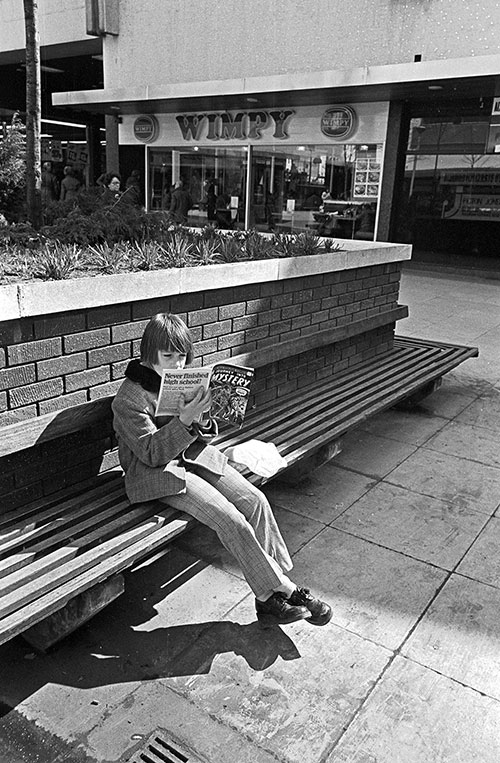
50	186
180	204
70	185
133	189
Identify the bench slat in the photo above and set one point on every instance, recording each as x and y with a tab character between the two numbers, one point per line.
23	515
23	574
24	618
299	407
385	399
57	518
32	590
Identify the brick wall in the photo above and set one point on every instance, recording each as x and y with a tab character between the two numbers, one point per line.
56	361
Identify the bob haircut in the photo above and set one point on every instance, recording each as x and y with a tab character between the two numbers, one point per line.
108	177
165	332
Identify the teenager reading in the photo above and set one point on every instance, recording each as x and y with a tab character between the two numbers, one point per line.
171	459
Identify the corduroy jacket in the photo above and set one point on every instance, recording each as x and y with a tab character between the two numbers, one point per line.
154	452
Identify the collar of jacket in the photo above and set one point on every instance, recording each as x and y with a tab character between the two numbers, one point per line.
146	377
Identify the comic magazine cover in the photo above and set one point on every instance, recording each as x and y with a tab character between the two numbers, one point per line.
230	386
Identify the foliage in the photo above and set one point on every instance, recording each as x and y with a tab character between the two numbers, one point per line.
121	239
57	261
12	168
86	220
108	259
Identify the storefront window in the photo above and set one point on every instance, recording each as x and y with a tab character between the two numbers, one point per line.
215	179
451	189
329	189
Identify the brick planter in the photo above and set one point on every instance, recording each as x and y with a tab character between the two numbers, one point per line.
66	343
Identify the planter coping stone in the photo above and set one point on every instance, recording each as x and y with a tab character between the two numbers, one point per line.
41	298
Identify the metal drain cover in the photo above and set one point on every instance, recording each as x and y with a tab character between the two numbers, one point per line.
161	748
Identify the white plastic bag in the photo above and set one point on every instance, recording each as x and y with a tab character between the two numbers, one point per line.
260	457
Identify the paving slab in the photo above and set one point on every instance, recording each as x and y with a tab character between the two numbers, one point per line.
371	455
459	481
466	441
415	715
447	401
374	592
153	706
322	497
482	560
425	528
413	427
295	706
459	636
483	412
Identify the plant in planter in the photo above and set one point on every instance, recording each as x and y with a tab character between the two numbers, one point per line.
178	249
57	261
108	259
255	246
283	244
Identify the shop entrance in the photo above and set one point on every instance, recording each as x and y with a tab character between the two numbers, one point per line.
449	205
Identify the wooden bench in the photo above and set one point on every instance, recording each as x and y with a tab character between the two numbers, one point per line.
62	557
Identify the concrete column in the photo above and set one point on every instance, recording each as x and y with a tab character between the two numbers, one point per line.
394	158
112	146
93	136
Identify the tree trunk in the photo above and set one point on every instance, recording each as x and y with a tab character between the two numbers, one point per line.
33	114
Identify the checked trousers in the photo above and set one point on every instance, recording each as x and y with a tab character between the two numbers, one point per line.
241	516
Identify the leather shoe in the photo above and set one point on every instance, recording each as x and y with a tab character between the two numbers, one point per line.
278	610
320	611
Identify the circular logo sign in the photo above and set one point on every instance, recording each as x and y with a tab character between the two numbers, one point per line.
146	129
338	122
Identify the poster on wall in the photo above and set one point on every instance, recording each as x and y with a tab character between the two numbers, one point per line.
366	179
52	151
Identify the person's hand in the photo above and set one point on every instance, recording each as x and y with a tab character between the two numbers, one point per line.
191	410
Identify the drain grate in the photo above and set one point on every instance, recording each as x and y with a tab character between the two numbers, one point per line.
160	748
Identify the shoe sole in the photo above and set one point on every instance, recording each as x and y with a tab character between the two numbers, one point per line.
271	621
320	620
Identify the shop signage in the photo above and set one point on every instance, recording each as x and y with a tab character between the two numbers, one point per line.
52	151
77	153
242	125
146	128
338	122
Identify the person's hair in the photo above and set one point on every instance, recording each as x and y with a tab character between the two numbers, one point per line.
108	177
165	332
68	170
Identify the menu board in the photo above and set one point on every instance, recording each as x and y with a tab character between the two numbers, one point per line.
366	178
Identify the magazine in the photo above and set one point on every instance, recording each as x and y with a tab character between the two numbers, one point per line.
229	384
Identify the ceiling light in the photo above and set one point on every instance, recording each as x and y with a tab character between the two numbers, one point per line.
435	87
64	124
49	69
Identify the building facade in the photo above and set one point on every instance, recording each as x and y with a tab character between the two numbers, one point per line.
375	119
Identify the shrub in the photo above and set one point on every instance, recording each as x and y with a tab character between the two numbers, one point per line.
12	169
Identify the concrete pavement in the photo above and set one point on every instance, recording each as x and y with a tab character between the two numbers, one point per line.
400	533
